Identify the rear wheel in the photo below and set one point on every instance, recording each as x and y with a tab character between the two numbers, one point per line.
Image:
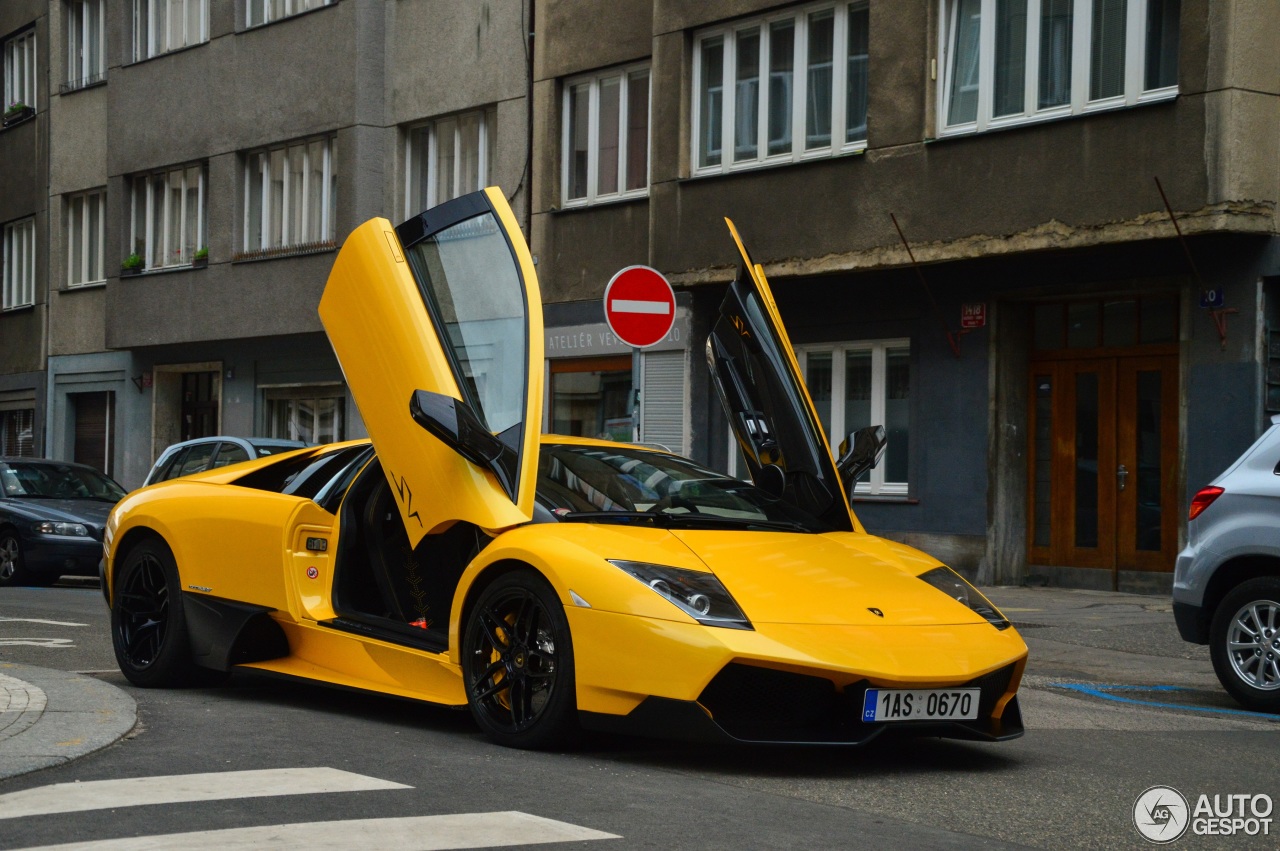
517	663
1245	643
148	628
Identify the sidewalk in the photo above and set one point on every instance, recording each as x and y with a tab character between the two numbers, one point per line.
51	717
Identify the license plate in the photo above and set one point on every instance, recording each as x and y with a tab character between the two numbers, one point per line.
892	704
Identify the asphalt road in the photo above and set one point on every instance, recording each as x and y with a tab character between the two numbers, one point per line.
1114	704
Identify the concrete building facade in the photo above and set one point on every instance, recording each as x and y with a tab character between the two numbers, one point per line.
1035	239
1060	372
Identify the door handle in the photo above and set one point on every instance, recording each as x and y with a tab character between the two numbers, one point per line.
1122	476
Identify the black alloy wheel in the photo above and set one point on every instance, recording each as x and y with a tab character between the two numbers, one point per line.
148	629
1244	643
517	663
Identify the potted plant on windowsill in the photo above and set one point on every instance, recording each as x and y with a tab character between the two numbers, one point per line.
201	258
17	111
132	265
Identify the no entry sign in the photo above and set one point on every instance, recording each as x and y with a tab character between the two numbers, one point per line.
639	306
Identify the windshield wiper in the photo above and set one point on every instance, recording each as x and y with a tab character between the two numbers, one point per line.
693	518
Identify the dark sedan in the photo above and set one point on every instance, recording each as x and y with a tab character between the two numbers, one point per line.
51	519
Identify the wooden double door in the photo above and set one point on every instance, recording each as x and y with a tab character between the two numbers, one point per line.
1103	455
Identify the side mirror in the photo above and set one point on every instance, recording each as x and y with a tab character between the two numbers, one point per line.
859	452
453	421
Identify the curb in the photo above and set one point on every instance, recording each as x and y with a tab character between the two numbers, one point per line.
49	717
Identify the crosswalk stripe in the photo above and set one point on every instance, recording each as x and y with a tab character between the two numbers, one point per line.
178	788
421	833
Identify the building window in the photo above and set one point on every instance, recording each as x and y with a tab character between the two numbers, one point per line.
448	157
290	197
310	414
17	431
1014	61
781	88
20	72
168	218
265	11
85	238
854	385
86	43
160	26
592	397
19	286
606	137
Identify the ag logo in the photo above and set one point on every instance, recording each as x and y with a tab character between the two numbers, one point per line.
1161	814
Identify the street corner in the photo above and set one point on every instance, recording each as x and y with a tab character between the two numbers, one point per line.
50	717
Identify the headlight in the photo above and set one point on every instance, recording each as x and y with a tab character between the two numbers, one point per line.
953	585
72	530
698	595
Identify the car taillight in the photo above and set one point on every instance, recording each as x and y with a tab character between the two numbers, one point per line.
1203	500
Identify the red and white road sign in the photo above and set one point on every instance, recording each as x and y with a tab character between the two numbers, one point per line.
639	306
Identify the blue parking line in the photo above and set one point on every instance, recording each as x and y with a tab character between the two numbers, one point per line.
1103	691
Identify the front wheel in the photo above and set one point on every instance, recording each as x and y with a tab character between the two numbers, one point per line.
148	627
1245	643
517	663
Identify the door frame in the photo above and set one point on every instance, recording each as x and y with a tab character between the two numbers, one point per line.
1119	367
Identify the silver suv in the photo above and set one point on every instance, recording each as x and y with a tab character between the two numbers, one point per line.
1226	586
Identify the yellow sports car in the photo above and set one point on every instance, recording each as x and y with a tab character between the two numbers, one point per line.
552	583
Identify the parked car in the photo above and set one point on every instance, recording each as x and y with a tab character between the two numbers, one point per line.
51	518
1226	584
550	583
209	453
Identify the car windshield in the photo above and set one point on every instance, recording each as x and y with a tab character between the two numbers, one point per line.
57	481
626	484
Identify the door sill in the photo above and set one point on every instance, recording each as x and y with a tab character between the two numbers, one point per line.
371	626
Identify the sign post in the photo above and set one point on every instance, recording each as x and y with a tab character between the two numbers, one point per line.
640	307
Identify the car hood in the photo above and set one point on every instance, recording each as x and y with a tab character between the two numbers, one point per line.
835	578
91	512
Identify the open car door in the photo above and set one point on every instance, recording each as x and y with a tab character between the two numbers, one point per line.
437	324
776	426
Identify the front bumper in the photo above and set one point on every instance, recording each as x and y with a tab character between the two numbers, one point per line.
60	555
762	706
784	682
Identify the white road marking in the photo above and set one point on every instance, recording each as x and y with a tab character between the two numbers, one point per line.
629	305
178	788
38	620
421	833
36	642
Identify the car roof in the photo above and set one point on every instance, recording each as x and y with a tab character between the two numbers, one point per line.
229	438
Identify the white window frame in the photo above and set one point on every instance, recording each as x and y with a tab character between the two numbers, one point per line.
18	272
799	16
158	240
21	73
1081	43
594	81
414	159
86	31
288	8
87	274
260	159
874	483
149	40
292	394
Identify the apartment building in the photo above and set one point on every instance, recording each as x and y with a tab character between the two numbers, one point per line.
956	202
190	170
24	172
1060	371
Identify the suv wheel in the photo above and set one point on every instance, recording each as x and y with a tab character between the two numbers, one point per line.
1245	643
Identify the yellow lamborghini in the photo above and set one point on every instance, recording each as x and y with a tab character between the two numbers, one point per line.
553	583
